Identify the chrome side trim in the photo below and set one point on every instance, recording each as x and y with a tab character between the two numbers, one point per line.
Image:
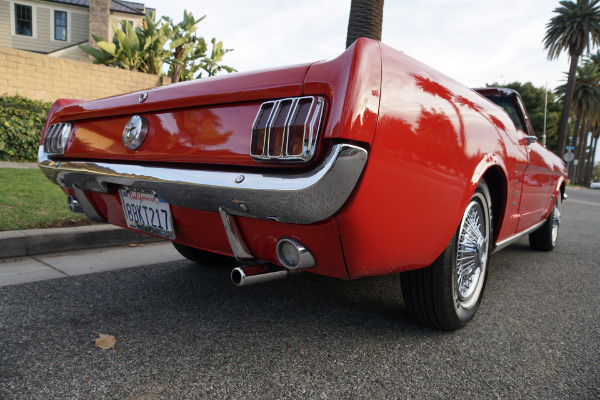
301	198
514	238
236	240
87	206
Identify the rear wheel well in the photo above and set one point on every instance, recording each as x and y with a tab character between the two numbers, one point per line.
496	182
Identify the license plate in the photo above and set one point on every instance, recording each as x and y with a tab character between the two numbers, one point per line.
145	211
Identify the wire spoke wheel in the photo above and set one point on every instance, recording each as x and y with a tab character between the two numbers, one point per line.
472	254
447	294
555	222
546	236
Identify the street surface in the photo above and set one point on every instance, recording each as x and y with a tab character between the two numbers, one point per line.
185	331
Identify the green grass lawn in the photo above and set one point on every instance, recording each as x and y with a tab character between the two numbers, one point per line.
29	200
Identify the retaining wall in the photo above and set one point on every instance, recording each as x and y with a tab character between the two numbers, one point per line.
41	77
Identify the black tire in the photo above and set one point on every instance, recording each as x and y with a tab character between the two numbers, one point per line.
545	237
447	294
202	257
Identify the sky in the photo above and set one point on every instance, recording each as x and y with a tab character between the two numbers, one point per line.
474	41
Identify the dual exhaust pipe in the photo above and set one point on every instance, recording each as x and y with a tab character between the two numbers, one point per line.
292	254
244	276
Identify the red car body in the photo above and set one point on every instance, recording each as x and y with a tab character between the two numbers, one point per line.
416	144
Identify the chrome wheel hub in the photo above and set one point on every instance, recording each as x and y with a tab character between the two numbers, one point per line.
472	254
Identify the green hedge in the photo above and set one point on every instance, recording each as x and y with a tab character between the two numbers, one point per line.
21	124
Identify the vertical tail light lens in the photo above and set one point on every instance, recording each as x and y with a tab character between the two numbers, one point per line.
278	129
259	130
299	137
56	138
287	129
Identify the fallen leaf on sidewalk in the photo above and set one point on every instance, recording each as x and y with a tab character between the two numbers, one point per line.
135	245
105	342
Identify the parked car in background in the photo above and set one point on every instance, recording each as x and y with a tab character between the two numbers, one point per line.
595	184
371	163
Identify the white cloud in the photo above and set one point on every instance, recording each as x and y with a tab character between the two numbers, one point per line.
473	41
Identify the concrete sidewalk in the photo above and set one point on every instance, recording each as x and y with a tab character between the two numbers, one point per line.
15	271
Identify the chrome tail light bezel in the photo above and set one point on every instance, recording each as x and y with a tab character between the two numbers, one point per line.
56	138
274	134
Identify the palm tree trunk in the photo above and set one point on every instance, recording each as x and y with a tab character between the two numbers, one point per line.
590	169
564	120
578	143
578	128
365	20
580	153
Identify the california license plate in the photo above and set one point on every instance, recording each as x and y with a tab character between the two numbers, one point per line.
145	211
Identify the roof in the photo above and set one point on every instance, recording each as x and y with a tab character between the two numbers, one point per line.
128	7
498	91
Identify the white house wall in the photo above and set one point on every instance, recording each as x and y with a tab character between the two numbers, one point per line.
42	39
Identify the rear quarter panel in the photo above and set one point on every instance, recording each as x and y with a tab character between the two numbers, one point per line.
435	139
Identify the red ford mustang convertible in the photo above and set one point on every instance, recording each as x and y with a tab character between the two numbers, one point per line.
371	163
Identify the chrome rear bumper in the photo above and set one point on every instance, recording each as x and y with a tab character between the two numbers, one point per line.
293	198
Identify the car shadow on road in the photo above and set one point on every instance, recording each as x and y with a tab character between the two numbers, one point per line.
305	301
185	297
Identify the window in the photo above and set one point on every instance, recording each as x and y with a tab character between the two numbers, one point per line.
60	25
507	104
23	25
124	25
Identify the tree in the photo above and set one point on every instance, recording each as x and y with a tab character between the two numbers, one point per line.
189	52
586	103
365	20
534	101
575	28
596	168
153	37
123	52
211	64
185	46
145	49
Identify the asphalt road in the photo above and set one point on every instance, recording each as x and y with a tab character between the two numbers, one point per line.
185	332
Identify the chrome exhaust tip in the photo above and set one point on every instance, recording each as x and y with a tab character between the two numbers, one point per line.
243	276
294	255
74	205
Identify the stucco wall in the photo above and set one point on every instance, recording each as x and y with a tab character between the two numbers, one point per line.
47	78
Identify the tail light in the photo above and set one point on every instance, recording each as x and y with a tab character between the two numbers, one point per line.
287	129
56	138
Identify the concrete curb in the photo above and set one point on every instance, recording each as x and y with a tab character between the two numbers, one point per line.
18	165
44	241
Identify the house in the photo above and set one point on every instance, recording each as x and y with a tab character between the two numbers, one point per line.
57	27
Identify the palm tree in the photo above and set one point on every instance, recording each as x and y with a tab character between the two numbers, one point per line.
575	28
595	59
365	20
586	102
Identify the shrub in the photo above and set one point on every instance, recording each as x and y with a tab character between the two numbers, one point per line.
21	124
